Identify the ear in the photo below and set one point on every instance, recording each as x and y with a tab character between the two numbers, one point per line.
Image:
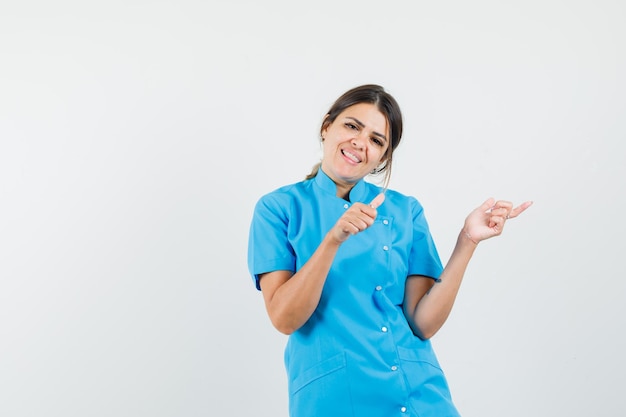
324	129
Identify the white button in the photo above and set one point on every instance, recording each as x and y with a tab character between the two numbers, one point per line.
385	247
346	206
394	368
384	329
385	221
403	409
378	288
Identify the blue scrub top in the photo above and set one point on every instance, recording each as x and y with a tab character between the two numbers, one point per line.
356	355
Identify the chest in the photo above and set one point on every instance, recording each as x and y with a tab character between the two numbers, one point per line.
377	256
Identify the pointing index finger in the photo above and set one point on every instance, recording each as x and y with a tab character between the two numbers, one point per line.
377	201
519	209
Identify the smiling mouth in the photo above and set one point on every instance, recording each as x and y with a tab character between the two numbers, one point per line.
351	156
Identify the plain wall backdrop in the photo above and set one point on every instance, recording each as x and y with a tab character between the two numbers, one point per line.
136	136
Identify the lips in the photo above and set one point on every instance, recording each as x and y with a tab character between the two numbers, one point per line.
354	158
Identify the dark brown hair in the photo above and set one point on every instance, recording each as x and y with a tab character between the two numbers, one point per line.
386	104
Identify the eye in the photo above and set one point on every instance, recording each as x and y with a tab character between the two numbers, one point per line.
351	126
377	141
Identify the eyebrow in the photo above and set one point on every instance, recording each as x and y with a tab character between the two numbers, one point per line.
360	123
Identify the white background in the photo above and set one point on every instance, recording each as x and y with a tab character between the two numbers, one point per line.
137	136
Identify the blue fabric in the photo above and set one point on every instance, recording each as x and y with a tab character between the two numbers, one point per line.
356	355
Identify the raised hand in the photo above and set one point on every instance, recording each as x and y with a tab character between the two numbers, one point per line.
488	220
356	219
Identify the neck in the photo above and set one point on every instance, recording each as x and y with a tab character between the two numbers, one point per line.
343	187
343	190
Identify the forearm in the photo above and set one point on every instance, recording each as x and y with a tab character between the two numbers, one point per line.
434	307
293	302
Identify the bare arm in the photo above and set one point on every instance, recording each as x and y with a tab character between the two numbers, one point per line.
291	299
427	305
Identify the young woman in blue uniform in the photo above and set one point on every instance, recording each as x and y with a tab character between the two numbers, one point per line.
350	271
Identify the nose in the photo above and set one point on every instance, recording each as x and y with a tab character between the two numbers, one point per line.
358	140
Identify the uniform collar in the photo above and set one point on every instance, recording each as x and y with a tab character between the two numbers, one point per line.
357	193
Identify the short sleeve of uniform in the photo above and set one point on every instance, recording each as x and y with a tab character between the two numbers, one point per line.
268	246
424	258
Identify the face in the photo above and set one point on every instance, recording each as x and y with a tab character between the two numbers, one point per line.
354	144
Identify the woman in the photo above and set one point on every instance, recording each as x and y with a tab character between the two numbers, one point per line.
351	273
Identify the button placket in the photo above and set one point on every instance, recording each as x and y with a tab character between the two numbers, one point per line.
385	223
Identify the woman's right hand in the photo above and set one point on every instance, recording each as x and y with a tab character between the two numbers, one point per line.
291	298
356	219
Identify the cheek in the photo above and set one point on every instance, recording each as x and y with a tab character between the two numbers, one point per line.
379	155
385	154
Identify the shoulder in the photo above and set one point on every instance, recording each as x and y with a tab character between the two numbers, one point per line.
398	199
284	196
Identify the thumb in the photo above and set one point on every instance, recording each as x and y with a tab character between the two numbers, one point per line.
377	201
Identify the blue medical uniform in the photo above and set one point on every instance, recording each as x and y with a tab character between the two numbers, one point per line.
356	355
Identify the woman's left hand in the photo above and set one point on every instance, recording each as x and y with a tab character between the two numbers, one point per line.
488	220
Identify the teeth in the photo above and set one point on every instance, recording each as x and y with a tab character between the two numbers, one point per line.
352	156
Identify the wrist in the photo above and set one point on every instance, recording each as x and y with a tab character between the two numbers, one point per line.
467	236
331	240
